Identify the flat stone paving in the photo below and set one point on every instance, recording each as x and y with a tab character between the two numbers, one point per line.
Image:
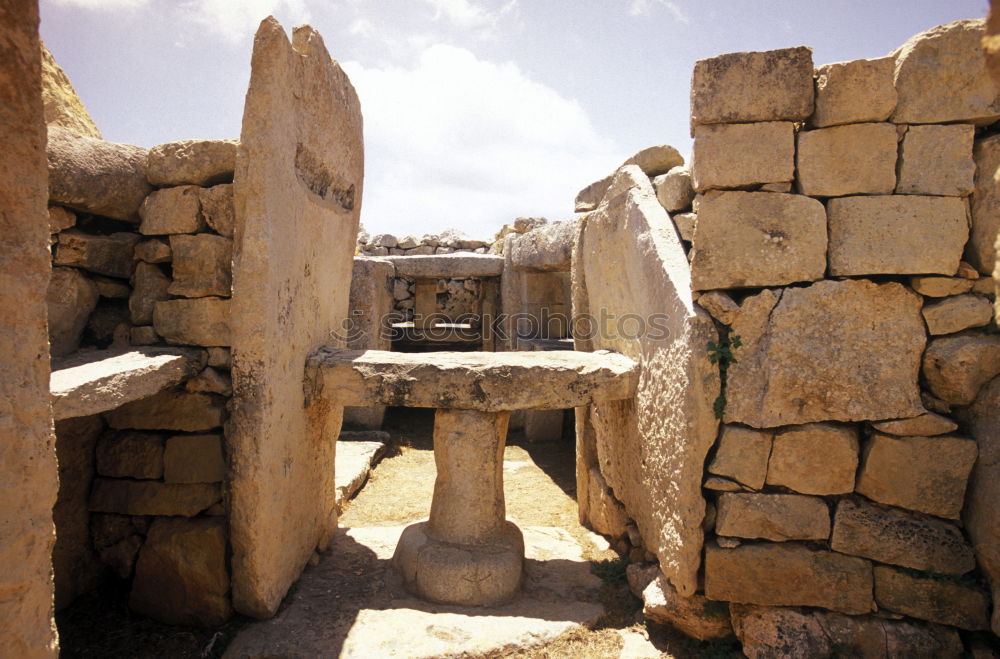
352	604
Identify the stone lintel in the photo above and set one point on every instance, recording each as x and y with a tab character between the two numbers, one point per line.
486	381
447	266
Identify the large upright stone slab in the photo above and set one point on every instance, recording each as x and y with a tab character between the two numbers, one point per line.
802	347
27	446
985	206
368	324
297	195
629	260
948	57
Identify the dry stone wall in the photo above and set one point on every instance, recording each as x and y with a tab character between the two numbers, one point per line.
839	223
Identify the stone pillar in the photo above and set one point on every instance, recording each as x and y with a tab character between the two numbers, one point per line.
467	554
27	447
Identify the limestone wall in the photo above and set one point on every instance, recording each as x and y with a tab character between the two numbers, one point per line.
141	485
840	234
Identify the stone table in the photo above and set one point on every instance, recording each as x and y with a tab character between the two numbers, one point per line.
467	553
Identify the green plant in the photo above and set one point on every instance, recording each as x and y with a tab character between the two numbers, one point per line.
721	353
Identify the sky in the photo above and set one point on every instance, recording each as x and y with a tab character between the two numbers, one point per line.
475	111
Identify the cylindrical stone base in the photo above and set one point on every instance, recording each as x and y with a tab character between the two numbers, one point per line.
467	575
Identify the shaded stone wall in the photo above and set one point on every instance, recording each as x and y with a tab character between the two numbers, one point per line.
840	234
27	453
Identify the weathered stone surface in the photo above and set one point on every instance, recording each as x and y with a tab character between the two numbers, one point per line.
854	92
738	155
76	566
130	455
103	255
956	367
605	513
153	250
297	194
447	266
217	208
588	198
817	458
937	160
220	358
181	576
674	190
172	210
935	599
985	286
788	574
27	448
117	539
982	515
719	305
985	206
62	105
697	616
470	380
171	410
114	289
143	335
70	299
384	240
629	260
776	517
355	460
194	459
128	497
210	381
927	474
931	286
896	235
775	85
192	162
766	632
948	56
844	160
655	160
957	313
94	176
788	374
202	322
149	286
742	455
202	265
60	219
758	239
925	425
371	302
889	535
546	248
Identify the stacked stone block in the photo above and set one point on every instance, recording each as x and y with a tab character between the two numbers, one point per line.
154	272
833	213
450	242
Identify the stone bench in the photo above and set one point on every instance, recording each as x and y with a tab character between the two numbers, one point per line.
92	382
467	553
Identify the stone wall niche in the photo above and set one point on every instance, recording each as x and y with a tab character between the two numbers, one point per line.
297	192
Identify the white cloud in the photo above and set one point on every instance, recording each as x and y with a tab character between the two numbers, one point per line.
238	20
644	8
461	12
106	5
459	142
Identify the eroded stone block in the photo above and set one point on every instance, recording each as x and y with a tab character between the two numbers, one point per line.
985	206
845	160
956	367
191	162
854	92
170	410
938	600
742	454
202	321
937	160
172	210
202	265
957	313
740	155
817	458
130	455
194	459
109	255
776	517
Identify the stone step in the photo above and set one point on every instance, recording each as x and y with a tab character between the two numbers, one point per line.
485	381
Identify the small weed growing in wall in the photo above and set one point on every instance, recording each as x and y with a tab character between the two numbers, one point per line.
721	353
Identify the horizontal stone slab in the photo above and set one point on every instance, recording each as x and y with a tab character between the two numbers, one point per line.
447	266
94	382
129	497
487	381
